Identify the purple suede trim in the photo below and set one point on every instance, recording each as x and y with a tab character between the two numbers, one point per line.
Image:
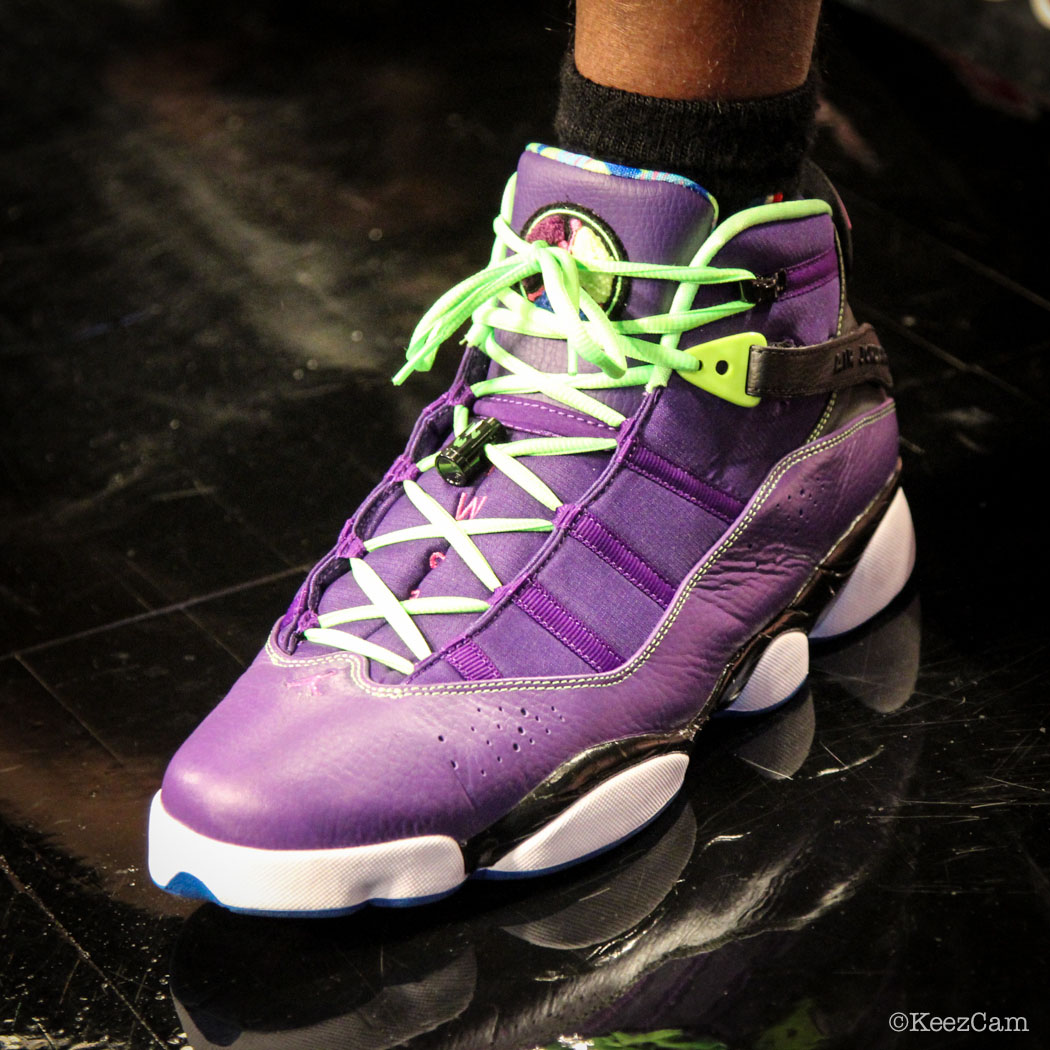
307	621
349	545
538	602
611	549
507	588
647	463
460	392
403	468
564	514
471	661
670	536
284	633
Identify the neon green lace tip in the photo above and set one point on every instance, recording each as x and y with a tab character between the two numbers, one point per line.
722	367
405	371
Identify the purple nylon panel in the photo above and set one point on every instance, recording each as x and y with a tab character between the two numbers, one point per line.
540	604
671	535
653	466
515	639
730	447
471	661
612	550
785	245
597	594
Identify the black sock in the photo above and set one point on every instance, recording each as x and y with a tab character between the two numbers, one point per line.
739	151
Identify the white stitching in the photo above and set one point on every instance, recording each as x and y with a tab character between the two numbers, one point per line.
823	421
281	659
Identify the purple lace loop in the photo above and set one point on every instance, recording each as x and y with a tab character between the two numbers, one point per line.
349	544
565	514
402	469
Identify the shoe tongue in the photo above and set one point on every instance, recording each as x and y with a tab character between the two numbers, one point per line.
599	210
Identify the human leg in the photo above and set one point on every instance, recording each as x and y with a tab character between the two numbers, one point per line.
721	92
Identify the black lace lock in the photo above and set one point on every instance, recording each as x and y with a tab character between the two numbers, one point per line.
760	291
462	461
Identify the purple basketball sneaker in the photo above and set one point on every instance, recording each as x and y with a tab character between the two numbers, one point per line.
668	460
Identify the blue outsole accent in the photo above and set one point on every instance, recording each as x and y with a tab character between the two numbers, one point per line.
191	888
334	913
412	902
186	885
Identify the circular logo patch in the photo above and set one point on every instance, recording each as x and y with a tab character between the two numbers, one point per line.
585	237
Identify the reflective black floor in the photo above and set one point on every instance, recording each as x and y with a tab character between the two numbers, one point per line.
219	224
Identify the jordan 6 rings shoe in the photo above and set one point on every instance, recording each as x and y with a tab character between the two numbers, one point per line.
668	460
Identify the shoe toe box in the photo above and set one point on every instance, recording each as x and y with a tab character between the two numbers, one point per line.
296	758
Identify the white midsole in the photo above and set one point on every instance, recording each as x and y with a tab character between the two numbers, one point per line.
879	576
781	669
608	813
302	879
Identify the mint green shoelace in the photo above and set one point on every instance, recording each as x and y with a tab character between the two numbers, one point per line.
629	353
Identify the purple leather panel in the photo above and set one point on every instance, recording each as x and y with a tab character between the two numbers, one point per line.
304	756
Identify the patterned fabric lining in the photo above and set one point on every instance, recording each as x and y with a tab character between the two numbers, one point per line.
578	160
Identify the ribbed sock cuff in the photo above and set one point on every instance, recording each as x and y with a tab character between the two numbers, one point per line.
739	151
